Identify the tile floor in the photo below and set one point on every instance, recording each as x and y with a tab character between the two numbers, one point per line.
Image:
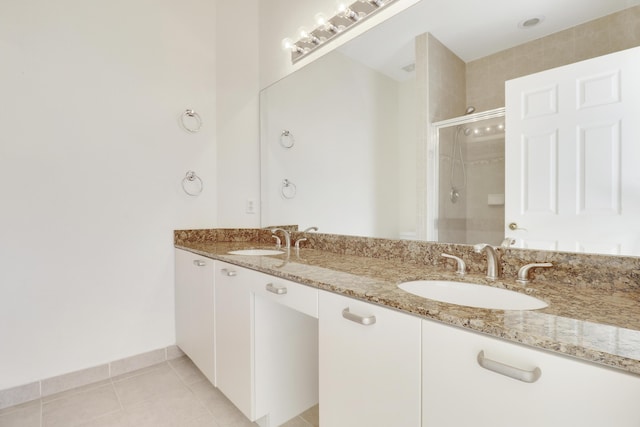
173	393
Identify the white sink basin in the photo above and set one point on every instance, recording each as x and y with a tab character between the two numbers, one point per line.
256	252
472	295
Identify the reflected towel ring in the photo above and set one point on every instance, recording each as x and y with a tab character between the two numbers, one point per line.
286	139
189	178
189	125
288	189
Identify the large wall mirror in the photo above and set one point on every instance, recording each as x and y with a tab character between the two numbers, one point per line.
344	140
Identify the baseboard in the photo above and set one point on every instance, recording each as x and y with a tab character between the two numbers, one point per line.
48	386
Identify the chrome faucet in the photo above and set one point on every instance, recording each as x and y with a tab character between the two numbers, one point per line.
302	239
287	236
492	259
523	273
462	267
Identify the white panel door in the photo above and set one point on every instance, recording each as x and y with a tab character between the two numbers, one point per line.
573	157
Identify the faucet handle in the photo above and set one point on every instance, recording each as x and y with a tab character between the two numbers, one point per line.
287	236
297	244
523	273
462	267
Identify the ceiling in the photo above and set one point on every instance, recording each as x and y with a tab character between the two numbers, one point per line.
472	29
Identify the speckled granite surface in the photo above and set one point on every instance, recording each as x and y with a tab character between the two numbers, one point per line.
594	300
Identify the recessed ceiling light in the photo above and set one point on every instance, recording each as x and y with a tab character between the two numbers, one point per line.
530	22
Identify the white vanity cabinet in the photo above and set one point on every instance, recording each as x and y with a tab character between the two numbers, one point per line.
369	364
266	344
457	391
194	302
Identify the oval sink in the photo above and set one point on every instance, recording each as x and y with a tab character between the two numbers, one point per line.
256	252
472	295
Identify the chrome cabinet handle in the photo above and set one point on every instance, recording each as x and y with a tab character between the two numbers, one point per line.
509	371
363	320
278	290
228	272
199	263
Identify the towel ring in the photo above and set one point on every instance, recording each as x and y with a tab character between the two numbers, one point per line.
187	124
288	189
286	139
192	177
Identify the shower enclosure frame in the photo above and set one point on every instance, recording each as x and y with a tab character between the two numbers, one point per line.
433	164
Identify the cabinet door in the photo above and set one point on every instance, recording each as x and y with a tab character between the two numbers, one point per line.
194	284
369	372
457	391
234	335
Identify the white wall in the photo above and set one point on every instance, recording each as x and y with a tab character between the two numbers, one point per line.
238	136
91	160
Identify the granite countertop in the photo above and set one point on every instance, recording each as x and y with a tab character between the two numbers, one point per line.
594	324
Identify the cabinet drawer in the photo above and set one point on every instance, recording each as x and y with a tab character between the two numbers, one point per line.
503	384
290	294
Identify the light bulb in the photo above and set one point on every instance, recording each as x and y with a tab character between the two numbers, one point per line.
321	19
287	44
349	14
341	6
325	24
303	32
377	3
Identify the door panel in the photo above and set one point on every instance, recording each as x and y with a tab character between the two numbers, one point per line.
572	156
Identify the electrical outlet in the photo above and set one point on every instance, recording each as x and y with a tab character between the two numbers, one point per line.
251	206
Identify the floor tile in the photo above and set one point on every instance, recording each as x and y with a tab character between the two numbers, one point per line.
169	394
80	408
173	408
296	422
206	421
148	385
224	412
25	415
115	419
186	370
312	416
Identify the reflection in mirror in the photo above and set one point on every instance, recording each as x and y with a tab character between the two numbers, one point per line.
354	128
468	202
360	161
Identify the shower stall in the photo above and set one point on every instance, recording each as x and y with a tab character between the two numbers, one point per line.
466	179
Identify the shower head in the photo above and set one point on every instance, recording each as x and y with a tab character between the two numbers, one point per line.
465	131
469	110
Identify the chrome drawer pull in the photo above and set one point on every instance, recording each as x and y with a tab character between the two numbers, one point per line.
199	263
279	290
509	371
363	320
228	272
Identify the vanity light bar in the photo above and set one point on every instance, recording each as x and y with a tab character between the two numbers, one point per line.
345	18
